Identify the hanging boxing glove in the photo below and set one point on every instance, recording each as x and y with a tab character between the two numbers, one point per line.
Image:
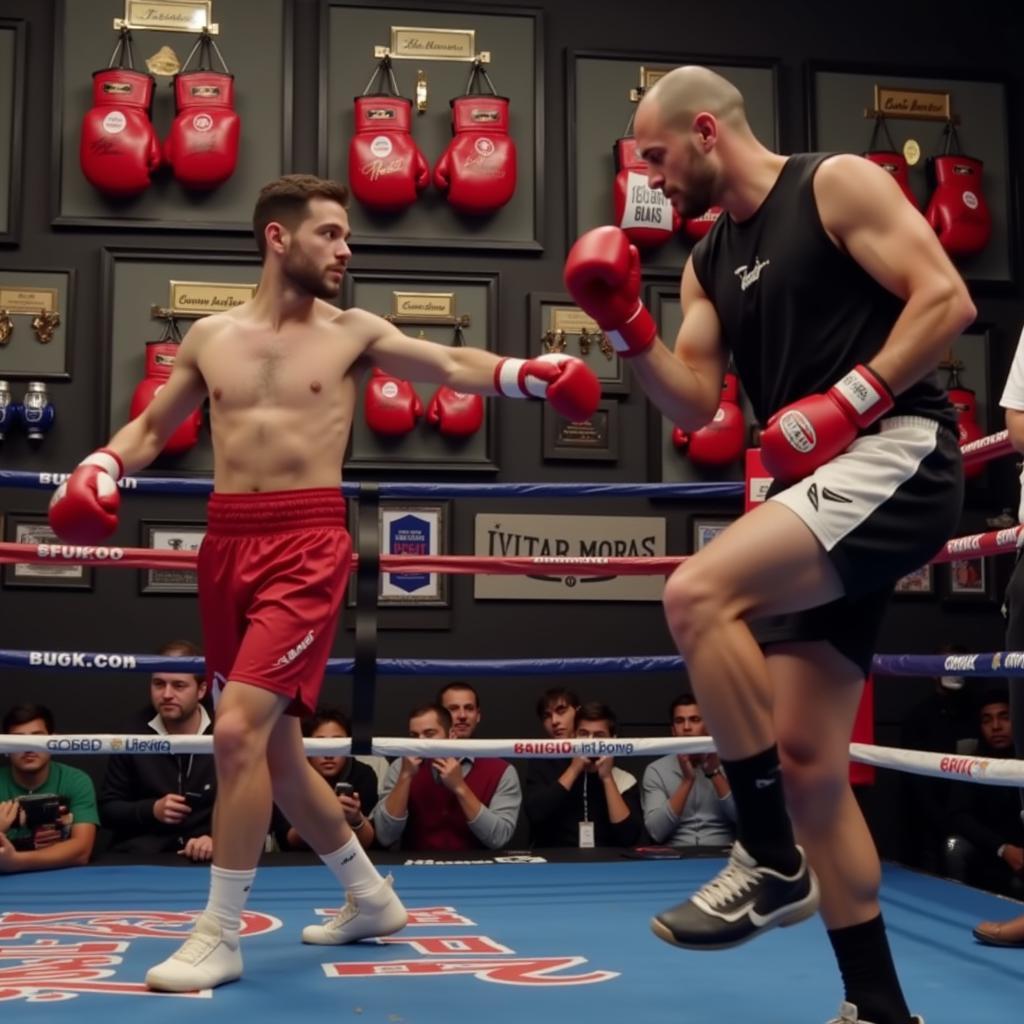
723	439
964	402
680	439
478	169
386	169
957	209
390	404
455	413
118	148
202	147
697	227
645	214
160	356
890	160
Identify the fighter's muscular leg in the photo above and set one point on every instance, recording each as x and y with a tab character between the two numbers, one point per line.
766	563
817	692
246	716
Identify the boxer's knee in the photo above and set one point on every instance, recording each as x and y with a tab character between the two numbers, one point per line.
237	743
693	603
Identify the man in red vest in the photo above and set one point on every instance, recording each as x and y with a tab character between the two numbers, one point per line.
446	803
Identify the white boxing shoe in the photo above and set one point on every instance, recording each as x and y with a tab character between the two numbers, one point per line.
365	917
848	1015
209	957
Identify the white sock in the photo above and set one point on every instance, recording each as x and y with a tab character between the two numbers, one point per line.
229	891
353	869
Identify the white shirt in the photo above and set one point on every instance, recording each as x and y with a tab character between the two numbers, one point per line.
1013	398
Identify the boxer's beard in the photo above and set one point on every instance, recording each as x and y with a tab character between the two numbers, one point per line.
698	196
300	271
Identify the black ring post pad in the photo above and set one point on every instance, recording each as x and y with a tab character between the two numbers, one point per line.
364	672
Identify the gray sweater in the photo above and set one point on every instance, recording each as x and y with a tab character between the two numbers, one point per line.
707	819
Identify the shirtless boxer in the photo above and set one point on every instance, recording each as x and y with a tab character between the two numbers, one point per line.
281	374
836	302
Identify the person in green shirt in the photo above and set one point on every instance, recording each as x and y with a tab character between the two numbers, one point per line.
61	845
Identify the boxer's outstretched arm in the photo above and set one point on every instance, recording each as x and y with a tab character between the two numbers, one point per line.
686	385
139	442
866	213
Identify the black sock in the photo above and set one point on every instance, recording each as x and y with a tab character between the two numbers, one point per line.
763	827
869	975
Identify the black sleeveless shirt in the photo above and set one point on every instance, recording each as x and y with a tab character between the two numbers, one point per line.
796	312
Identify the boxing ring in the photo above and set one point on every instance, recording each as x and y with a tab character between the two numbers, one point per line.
503	936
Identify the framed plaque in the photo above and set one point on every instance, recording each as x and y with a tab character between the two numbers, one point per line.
595	439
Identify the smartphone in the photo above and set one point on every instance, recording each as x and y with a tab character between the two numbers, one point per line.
344	788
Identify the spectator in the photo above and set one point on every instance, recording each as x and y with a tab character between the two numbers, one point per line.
163	803
65	836
556	709
585	801
446	803
985	847
354	782
462	702
686	797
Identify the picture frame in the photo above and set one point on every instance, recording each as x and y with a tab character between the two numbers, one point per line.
595	439
257	41
34	528
13	47
349	33
839	96
555	311
23	292
969	580
174	535
704	529
599	85
421	527
917	584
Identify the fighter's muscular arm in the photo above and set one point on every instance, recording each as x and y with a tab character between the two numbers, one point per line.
1015	428
686	385
865	212
139	442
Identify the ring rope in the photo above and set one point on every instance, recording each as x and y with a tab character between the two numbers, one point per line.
987	771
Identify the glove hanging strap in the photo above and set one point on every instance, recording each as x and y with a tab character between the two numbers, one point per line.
388	85
171	331
206	47
123	51
951	140
881	127
478	78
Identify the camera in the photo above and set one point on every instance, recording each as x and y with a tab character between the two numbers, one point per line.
344	788
42	809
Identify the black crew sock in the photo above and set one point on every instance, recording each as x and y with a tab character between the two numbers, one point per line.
764	827
869	975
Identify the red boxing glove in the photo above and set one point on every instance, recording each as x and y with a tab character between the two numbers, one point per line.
566	382
896	165
680	438
83	510
386	170
697	227
160	356
456	413
478	169
723	439
602	273
644	213
968	428
957	209
391	404
118	149
810	432
202	147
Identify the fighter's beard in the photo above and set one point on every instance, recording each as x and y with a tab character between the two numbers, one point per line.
303	275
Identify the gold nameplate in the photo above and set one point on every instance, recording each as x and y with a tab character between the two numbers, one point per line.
435	43
200	298
27	300
572	321
425	305
168	15
919	104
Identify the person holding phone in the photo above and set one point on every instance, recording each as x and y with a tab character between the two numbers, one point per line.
163	803
354	783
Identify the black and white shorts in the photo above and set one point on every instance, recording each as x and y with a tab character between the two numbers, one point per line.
881	509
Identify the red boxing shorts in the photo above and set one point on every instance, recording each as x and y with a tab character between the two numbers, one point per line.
273	569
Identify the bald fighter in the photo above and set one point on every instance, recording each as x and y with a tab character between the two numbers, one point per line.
835	300
280	372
